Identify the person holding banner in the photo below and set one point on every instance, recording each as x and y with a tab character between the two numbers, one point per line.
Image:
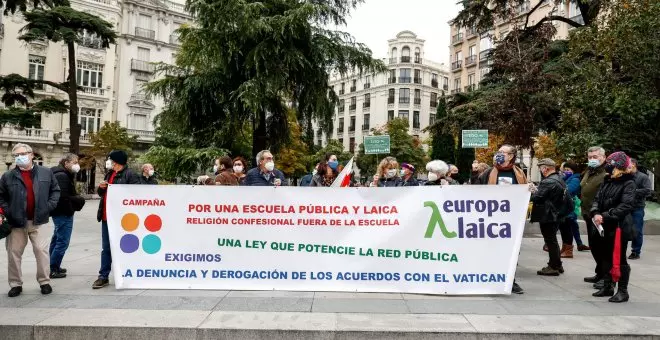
226	176
265	174
612	209
437	172
325	175
240	164
118	173
388	174
408	176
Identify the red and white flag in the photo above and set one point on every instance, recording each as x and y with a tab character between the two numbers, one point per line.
344	177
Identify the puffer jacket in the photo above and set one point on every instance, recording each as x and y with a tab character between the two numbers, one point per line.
615	201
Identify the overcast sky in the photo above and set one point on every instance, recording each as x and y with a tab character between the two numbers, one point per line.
376	21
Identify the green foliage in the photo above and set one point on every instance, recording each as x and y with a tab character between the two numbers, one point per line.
20	109
181	164
404	147
334	147
242	60
111	136
290	159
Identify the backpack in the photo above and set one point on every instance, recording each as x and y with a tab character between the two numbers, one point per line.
566	205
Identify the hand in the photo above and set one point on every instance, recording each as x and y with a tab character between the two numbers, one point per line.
532	188
376	179
444	182
103	185
277	182
598	219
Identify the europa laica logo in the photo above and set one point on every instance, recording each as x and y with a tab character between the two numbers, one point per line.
473	221
130	243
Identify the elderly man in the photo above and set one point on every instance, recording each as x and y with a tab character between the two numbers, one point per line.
643	183
265	173
28	194
147	176
591	181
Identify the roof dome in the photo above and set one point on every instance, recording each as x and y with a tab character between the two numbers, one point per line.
406	34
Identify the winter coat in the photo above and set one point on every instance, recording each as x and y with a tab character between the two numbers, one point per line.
573	185
389	182
151	180
124	176
255	178
227	178
643	184
410	182
591	181
615	201
547	199
13	196
70	201
317	181
306	180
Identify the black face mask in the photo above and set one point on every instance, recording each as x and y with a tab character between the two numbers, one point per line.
609	169
454	176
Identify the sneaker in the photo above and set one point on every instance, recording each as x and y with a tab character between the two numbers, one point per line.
46	289
100	283
57	274
633	256
582	247
548	271
515	289
15	291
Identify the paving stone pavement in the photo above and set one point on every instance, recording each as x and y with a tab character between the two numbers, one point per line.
565	298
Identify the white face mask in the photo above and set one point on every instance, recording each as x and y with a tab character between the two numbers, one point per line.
238	169
150	172
391	173
314	172
433	177
270	166
75	168
108	164
215	168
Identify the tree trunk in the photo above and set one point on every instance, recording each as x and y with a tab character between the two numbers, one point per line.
531	160
259	137
74	127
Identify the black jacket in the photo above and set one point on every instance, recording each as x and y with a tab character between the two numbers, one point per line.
411	182
547	199
643	184
615	201
389	182
125	176
69	199
13	196
148	180
255	178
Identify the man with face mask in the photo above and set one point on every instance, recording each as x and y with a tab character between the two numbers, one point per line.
547	199
69	203
408	176
28	193
453	176
117	173
147	176
591	181
265	174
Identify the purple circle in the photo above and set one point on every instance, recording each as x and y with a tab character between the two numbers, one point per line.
129	243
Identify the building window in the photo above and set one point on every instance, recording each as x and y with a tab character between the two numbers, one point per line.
457	84
351	125
351	145
90	40
405	54
434	80
434	99
139	121
483	72
144	54
392	78
365	122
367	100
353	103
418	97
472	50
418	56
143	28
445	83
36	71
415	119
418	77
144	21
404	96
390	115
343	88
432	119
471	84
341	141
341	105
404	114
90	77
404	75
367	82
340	129
354	86
89	120
390	97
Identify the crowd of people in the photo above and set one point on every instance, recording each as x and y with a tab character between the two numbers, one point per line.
609	195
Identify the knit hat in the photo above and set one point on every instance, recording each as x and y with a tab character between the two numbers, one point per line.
408	166
118	156
618	160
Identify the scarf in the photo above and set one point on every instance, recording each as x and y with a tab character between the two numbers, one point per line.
520	176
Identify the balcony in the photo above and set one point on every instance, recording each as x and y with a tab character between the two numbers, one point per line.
454	91
91	42
367	86
176	6
404	100
365	127
418	101
107	2
366	105
578	18
391	80
340	130
470	88
418	60
351	128
417	80
445	87
405	59
145	33
141	66
353	88
341	109
405	80
434	83
472	32
483	55
471	60
140	97
352	107
393	60
456	39
457	65
143	135
174	39
93	90
390	100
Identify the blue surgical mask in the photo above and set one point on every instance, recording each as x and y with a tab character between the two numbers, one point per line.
333	165
22	161
500	158
568	174
593	163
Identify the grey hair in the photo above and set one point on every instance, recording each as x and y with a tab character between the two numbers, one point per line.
68	157
144	166
598	149
514	150
21	145
260	155
438	166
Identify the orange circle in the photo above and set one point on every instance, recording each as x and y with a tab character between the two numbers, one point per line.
153	223
130	222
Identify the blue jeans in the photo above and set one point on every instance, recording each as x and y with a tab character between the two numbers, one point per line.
59	243
638	221
106	256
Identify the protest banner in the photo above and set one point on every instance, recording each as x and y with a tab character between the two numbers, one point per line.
448	240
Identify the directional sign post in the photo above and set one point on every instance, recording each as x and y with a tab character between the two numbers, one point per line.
475	139
374	145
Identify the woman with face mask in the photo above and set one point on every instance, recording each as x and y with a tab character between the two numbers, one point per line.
437	173
240	166
324	176
388	174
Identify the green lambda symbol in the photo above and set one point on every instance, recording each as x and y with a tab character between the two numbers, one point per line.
436	219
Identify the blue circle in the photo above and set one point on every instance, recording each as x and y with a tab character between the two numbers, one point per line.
151	244
129	243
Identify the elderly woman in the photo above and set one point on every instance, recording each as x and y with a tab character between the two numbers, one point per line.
324	176
388	174
612	209
437	173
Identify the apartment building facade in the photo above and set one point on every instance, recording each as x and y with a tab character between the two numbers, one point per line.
469	49
111	79
410	90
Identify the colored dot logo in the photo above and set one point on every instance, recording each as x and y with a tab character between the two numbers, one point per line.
130	243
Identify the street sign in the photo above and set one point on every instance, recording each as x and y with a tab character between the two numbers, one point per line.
374	145
475	139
